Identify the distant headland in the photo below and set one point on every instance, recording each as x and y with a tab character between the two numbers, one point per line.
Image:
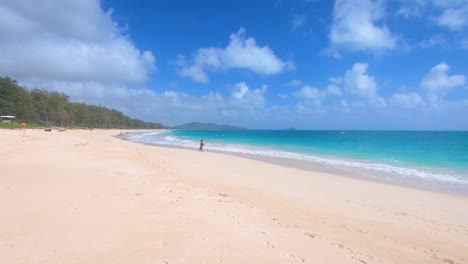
206	126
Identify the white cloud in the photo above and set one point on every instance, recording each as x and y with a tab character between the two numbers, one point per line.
309	92
21	19
74	47
411	8
336	80
455	19
334	90
242	53
248	98
294	83
70	40
358	82
148	58
355	27
407	12
240	90
379	102
433	41
454	14
355	90
405	100
196	73
332	52
243	106
310	106
438	83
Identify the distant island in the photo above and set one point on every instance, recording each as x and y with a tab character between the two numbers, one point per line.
207	126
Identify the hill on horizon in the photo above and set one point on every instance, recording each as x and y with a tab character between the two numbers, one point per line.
207	126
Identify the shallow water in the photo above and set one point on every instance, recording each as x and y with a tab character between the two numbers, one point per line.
418	157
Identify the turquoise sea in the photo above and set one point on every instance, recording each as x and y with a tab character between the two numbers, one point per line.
436	156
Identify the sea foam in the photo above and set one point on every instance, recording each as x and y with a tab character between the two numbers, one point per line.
161	138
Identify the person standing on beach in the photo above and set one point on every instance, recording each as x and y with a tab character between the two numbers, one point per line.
201	145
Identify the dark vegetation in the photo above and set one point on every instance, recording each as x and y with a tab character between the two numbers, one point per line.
44	108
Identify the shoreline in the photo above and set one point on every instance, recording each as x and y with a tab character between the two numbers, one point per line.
89	197
311	166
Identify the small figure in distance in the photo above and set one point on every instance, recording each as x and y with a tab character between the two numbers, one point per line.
201	145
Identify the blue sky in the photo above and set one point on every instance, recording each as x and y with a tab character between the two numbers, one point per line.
316	64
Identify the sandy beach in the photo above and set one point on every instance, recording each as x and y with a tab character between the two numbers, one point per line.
83	196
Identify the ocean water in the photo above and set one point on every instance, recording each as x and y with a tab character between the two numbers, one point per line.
424	156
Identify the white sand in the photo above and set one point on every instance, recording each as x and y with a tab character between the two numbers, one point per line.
87	197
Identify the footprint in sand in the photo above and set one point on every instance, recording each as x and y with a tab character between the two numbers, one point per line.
268	244
449	261
312	235
296	258
339	245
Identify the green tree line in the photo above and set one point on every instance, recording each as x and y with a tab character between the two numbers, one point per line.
54	109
